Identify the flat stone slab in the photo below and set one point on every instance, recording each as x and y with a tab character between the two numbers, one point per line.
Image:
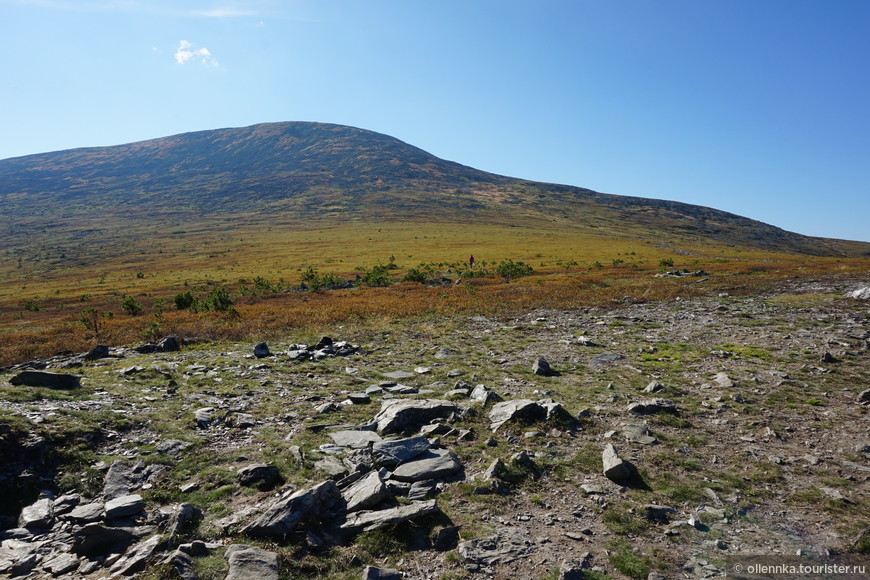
366	493
390	454
354	439
126	505
246	562
365	521
433	464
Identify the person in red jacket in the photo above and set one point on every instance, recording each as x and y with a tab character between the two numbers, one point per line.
471	261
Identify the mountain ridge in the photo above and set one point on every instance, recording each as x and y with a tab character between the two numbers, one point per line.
309	171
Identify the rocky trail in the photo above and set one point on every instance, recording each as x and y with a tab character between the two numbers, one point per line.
647	440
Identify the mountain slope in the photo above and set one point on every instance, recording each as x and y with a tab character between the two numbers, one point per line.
305	171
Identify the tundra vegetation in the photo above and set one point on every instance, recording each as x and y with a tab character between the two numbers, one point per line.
758	455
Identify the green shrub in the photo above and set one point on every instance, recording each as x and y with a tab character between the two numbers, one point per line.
184	300
131	306
376	276
509	269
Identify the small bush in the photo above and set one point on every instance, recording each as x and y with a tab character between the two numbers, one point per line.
32	306
131	306
376	276
509	269
184	300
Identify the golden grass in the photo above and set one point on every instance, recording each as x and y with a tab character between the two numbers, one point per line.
573	269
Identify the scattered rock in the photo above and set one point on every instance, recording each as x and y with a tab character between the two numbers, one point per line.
653	387
860	293
615	468
652	406
247	562
542	368
38	515
264	476
261	350
136	560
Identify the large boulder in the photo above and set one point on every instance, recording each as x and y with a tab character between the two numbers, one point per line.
397	415
433	464
365	521
318	503
518	409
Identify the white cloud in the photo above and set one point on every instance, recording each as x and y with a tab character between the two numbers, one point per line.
187	53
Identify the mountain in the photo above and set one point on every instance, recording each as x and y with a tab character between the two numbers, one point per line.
316	171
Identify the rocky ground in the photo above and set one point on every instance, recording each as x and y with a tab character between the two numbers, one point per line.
445	448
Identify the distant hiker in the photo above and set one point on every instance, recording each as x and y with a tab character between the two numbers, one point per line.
471	261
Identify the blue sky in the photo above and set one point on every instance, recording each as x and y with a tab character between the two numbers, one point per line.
758	107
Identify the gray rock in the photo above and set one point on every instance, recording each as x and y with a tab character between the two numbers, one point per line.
483	394
542	368
172	446
124	506
615	468
359	398
136	560
98	352
261	350
653	387
860	293
90	512
96	539
390	454
606	359
638	434
503	548
519	409
169	344
723	380
659	513
181	565
331	466
122	478
240	420
366	493
864	397
38	515
445	539
61	564
571	570
65	503
282	517
396	416
205	417
354	439
432	464
373	573
262	475
247	562
420	490
652	406
365	521
45	379
183	517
